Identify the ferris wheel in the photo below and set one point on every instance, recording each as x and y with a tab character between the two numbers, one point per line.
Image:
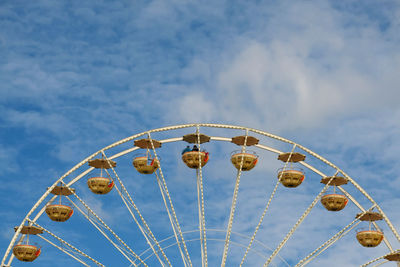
204	195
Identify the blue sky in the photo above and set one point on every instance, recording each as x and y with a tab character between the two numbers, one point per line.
76	77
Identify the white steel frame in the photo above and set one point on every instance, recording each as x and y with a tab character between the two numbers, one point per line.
156	246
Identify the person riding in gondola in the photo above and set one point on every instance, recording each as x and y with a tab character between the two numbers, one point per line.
187	149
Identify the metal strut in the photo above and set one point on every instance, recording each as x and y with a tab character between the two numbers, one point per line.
379	258
132	203
266	208
233	206
110	230
98	227
332	240
66	243
200	200
301	219
170	202
171	220
65	251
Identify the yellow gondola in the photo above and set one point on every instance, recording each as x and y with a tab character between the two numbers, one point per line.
145	164
100	185
249	159
58	212
371	236
25	252
291	177
334	202
193	159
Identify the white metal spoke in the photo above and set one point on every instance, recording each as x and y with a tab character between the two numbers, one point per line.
66	243
389	246
330	244
266	207
149	232
99	228
301	219
350	197
359	188
233	206
170	203
200	199
171	220
143	231
201	228
379	258
332	240
110	230
65	251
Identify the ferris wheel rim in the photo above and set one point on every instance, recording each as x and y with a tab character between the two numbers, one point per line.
197	125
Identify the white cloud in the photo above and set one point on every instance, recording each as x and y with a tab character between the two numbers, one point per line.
8	156
194	108
90	75
309	70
